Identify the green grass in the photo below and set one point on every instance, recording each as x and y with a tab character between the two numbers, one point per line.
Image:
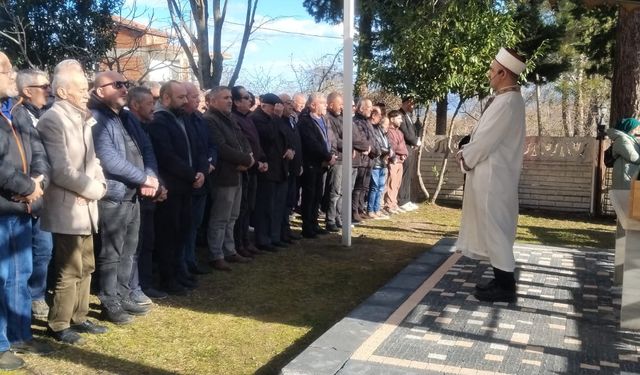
260	316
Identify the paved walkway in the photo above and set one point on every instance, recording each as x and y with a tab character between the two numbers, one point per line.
426	321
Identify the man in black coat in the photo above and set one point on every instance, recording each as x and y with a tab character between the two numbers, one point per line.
181	169
410	164
290	116
316	142
364	149
272	185
332	199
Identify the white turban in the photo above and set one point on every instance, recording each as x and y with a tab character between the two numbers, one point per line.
510	62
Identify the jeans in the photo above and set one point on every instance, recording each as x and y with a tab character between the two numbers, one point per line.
198	204
42	244
15	270
119	232
224	212
376	188
142	266
334	192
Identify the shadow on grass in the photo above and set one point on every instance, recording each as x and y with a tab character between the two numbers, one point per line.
562	236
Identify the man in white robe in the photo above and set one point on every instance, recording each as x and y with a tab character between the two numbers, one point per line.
492	161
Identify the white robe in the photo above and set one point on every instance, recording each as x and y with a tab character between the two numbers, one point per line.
490	203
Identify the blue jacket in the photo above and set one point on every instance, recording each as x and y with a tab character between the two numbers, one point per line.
204	145
108	138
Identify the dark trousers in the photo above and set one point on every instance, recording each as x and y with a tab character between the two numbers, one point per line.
270	204
119	231
247	205
293	192
142	266
333	195
361	189
73	263
408	170
172	226
311	195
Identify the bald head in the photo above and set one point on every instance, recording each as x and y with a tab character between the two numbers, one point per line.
8	86
299	101
68	66
111	89
193	97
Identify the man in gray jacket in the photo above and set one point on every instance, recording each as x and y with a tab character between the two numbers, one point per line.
122	158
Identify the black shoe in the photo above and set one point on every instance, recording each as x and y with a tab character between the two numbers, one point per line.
89	327
320	231
280	244
268	248
333	228
496	294
199	270
133	308
114	313
309	234
485	286
187	282
287	241
10	362
338	225
174	289
295	237
32	346
67	336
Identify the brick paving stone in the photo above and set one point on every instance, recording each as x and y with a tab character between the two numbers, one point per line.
565	319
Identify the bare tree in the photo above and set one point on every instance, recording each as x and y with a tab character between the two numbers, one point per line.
195	43
16	33
322	74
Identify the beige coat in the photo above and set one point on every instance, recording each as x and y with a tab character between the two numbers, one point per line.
75	172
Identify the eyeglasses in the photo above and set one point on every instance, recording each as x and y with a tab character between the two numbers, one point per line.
117	84
45	86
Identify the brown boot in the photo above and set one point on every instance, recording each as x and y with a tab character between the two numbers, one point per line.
220	265
237	258
245	253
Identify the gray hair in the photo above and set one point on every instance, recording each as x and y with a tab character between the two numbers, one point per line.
137	94
28	77
151	84
313	97
214	91
361	103
65	65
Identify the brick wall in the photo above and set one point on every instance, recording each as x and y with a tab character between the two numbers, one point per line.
557	174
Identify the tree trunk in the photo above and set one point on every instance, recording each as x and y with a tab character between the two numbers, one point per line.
423	187
441	116
566	120
578	104
625	88
538	116
218	21
252	5
364	52
445	159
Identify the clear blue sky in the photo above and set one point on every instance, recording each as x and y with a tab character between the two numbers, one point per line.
276	46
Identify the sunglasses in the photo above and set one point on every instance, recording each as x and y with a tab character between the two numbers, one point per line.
46	86
118	84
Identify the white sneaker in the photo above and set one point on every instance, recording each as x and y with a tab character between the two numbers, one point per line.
406	207
413	206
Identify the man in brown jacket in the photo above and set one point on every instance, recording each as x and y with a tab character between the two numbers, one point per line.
70	204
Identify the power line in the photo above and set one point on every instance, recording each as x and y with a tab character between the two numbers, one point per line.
286	31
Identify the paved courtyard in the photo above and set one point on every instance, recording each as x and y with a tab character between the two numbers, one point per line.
426	320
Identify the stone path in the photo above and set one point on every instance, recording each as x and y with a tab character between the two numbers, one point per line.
426	321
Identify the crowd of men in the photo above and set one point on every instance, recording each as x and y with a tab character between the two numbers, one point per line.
123	180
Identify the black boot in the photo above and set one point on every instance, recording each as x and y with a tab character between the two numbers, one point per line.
501	289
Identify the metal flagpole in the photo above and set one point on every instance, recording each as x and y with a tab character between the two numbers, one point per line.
347	117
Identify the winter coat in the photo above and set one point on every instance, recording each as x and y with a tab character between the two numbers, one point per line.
626	151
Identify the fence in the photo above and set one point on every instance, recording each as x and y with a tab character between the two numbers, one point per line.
558	174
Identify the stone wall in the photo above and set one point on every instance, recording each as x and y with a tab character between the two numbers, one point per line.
558	173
